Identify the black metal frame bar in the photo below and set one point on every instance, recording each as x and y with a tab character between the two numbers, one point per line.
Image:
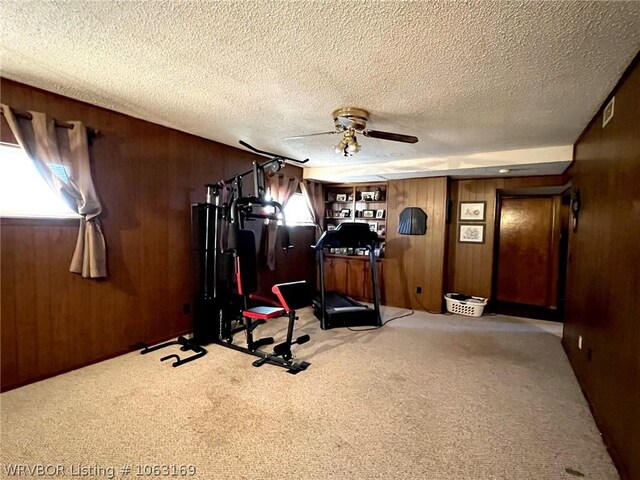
185	345
268	358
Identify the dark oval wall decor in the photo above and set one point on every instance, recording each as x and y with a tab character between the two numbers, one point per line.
413	221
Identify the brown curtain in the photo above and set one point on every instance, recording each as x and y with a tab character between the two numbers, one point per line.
282	189
314	195
45	144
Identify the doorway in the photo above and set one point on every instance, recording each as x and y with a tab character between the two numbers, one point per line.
530	254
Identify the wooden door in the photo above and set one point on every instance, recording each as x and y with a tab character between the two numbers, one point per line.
528	239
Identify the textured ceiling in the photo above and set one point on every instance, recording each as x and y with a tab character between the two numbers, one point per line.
463	77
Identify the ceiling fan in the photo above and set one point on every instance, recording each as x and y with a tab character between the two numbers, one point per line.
350	121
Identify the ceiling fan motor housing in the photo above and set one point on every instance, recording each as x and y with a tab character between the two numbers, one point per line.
350	118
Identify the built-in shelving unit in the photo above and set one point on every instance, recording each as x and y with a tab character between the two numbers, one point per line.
366	203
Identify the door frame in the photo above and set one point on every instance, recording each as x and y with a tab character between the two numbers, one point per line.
531	311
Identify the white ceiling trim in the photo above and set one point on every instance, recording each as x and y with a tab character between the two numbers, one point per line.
488	162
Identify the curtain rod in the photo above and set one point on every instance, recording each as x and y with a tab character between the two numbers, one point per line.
26	115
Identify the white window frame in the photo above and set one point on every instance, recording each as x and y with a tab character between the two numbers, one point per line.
299	197
24	193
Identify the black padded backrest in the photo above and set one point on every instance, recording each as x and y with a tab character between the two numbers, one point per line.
246	264
293	295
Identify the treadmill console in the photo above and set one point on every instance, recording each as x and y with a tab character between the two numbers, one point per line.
348	234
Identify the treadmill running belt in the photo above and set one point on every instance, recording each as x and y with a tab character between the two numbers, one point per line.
343	311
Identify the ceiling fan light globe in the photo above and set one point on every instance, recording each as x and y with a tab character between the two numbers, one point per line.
353	147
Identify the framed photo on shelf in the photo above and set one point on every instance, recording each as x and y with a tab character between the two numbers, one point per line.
341	197
379	213
368	213
373	226
331	226
328	213
368	196
345	213
471	233
473	211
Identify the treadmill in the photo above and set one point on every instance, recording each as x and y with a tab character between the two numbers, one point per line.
335	309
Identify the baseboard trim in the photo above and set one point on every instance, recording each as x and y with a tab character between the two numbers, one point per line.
527	311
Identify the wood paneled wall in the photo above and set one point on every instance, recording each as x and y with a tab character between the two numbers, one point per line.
604	274
147	176
470	265
413	261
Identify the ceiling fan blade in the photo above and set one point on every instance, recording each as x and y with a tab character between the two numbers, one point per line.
310	135
396	137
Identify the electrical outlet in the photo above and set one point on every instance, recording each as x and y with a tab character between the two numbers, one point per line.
419	290
580	342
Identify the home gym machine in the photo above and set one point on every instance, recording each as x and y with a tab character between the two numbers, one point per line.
335	309
224	257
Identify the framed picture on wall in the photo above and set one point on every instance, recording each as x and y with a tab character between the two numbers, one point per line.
473	211
471	233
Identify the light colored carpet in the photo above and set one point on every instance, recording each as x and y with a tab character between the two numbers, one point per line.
425	397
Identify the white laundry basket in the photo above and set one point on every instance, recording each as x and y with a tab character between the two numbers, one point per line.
472	307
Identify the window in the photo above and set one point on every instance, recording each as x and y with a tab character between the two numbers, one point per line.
23	192
297	212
